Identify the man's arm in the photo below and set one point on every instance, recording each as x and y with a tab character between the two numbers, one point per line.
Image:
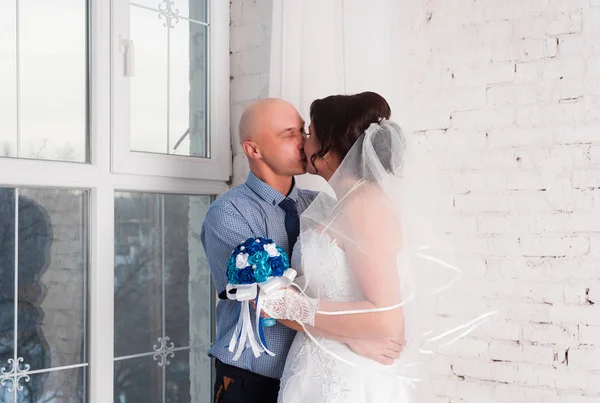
224	228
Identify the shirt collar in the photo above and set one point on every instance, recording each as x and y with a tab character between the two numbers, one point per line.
268	193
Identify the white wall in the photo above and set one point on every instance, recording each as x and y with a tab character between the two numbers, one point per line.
506	96
250	46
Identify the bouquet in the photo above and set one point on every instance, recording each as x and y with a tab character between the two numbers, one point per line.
257	267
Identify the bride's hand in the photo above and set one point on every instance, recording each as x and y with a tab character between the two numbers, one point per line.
384	351
263	314
288	303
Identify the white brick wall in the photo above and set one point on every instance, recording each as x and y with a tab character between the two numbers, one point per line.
506	95
250	47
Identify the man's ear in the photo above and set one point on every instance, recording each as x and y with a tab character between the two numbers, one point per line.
251	150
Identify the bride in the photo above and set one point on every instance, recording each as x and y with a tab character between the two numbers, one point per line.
348	252
358	255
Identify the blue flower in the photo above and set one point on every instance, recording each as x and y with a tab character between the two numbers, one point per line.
246	244
265	241
259	257
245	276
262	272
261	263
249	241
284	257
277	266
231	263
232	271
252	249
232	276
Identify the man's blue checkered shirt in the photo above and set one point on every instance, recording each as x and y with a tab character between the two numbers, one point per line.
248	210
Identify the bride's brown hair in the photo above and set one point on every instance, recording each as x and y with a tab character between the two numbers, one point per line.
339	120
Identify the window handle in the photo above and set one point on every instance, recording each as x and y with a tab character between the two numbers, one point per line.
128	49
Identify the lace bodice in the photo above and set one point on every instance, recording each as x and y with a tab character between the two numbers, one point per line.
311	374
321	252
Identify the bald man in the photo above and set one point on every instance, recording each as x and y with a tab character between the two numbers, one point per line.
272	135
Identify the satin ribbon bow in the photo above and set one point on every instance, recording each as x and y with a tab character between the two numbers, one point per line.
243	335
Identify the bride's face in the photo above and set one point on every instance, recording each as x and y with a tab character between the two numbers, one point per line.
322	166
311	147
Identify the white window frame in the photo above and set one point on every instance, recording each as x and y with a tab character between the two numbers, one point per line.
169	175
218	166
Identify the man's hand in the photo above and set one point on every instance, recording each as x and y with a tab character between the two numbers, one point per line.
384	351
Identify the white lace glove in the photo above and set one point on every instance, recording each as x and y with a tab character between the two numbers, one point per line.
291	305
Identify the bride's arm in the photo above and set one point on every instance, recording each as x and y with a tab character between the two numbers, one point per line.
372	242
384	350
372	238
314	331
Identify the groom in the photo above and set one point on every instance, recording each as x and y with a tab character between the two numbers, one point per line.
268	205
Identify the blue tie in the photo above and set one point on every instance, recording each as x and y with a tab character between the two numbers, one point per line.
292	222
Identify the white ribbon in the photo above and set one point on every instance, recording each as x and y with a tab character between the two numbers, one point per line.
258	309
243	335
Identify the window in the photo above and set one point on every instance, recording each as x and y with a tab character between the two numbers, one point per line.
170	93
163	304
114	142
43	80
43	262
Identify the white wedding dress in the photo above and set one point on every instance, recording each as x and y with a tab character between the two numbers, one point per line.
311	374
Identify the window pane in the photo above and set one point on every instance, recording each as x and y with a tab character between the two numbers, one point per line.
163	288
138	380
6	391
51	291
177	379
7	271
149	86
138	258
169	90
52	276
43	79
8	76
64	386
188	377
178	7
186	270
